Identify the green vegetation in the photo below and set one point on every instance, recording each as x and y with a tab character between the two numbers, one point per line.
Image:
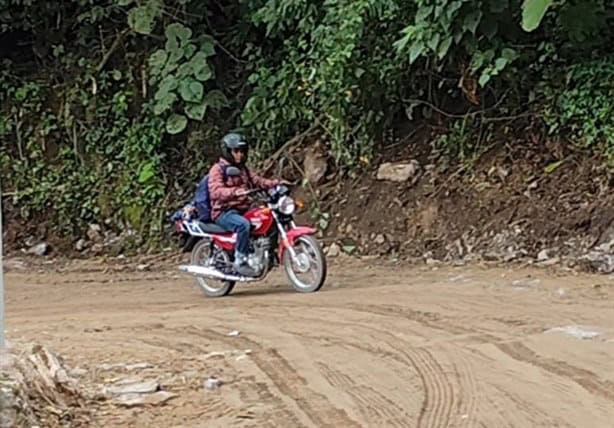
108	107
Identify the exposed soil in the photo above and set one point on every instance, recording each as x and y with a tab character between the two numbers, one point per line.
380	345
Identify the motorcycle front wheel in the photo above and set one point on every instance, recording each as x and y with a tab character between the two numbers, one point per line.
207	254
310	261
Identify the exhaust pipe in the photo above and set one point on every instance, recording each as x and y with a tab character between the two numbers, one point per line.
208	272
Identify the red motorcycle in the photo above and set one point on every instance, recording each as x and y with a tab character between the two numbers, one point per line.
275	240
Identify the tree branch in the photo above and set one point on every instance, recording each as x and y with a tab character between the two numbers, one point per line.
112	49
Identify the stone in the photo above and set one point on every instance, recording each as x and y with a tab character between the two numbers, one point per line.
315	164
39	249
380	239
542	256
157	398
133	386
398	172
333	250
81	245
94	233
212	383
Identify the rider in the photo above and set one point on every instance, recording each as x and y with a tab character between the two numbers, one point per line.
228	197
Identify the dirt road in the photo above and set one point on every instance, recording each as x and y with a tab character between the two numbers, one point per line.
410	347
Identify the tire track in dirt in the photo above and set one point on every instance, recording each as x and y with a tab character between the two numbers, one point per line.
470	392
313	404
439	395
585	378
374	406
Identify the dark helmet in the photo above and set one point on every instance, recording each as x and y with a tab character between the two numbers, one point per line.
233	141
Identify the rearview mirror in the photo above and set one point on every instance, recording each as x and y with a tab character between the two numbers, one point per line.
233	171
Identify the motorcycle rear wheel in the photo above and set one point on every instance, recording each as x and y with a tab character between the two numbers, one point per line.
201	256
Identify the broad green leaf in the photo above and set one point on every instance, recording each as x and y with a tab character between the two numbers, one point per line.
124	2
196	111
147	173
400	44
323	223
550	168
415	51
168	84
157	61
141	19
206	44
200	66
452	8
500	64
178	31
444	46
509	54
216	99
433	42
189	50
185	70
423	13
176	123
472	20
191	90
484	78
164	101
533	12
348	249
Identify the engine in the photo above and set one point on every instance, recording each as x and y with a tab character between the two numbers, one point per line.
259	254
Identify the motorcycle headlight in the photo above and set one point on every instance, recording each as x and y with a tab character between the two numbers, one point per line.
286	205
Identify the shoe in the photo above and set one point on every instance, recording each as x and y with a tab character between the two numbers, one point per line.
245	270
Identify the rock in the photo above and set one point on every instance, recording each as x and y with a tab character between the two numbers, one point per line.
97	249
543	255
81	245
139	366
575	331
212	383
380	239
315	164
398	172
157	398
39	249
234	333
133	386
599	261
214	354
550	262
77	372
94	233
142	267
333	250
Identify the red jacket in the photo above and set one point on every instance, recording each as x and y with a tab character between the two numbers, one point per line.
222	193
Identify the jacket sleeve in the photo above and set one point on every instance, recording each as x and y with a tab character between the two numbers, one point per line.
218	190
261	182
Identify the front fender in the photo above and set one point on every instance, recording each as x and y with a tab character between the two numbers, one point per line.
292	236
298	232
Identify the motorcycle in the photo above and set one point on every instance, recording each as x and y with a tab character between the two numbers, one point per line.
275	240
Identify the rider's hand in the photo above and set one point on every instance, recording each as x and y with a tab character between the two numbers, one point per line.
241	192
285	182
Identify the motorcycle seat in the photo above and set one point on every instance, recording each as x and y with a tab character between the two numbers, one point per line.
211	228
